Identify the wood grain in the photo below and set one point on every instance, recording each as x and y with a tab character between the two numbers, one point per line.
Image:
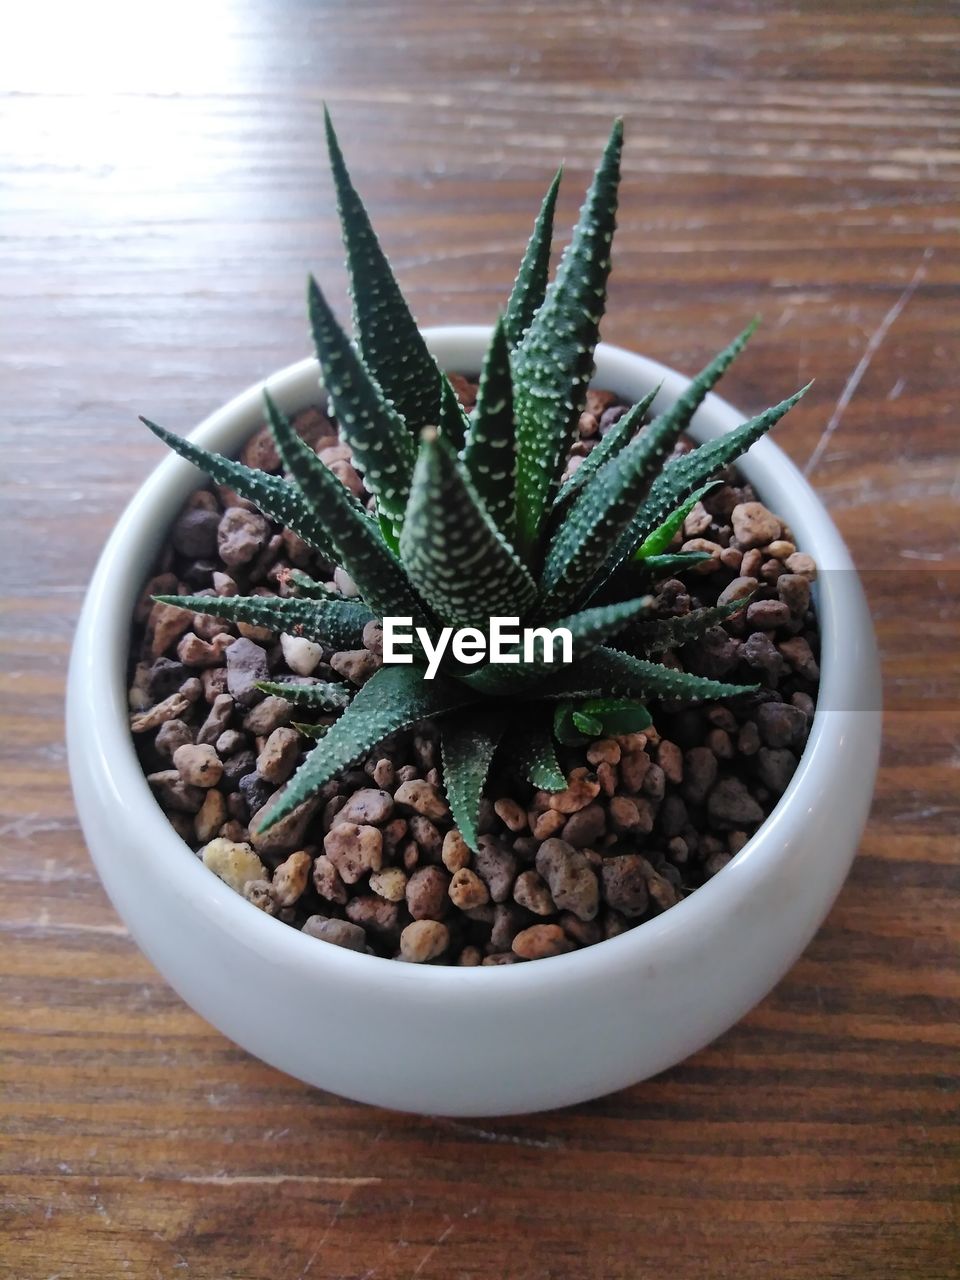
165	195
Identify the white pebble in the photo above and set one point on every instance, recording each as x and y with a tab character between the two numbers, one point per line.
301	656
345	584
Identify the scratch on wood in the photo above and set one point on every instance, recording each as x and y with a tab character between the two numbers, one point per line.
433	1249
863	364
273	1179
488	1135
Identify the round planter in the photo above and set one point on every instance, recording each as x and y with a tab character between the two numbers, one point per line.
495	1040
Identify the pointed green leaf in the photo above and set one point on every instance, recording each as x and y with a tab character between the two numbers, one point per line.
553	364
357	542
599	514
529	288
660	634
313	731
612	673
324	695
336	623
613	443
467	745
304	585
394	698
390	342
587	630
276	498
678	480
536	757
618	715
656	543
587	724
454	554
656	567
379	441
609	498
451	421
489	454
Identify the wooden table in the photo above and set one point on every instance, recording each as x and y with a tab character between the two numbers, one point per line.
166	195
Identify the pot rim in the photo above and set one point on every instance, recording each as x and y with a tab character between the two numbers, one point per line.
98	711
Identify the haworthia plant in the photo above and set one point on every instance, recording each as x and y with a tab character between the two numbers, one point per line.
468	519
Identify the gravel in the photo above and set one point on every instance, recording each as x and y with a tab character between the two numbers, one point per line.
373	862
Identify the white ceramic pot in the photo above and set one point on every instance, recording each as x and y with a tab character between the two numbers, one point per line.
495	1040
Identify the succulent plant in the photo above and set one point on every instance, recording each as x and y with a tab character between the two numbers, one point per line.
471	517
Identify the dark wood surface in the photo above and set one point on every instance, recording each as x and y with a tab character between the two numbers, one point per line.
165	195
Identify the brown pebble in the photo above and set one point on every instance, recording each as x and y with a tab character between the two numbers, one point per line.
198	766
670	759
510	813
342	933
172	734
699	773
268	715
738	589
374	913
572	881
428	838
586	826
278	758
540	941
422	797
384	774
628	813
580	790
531	892
497	867
548	824
284	836
604	751
427	893
731	805
802	564
455	852
260	894
466	890
625	884
368	805
172	708
767	615
240	536
712	549
327	880
218	719
373	637
424	940
354	850
355	665
211	816
633	770
173	792
290	878
748	739
794	591
165	625
754	525
799	655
